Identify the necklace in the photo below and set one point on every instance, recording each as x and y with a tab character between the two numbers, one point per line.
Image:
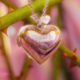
42	40
35	16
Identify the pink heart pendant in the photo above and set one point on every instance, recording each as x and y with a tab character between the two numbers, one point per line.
40	44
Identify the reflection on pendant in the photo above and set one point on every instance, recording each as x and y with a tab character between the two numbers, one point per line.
40	44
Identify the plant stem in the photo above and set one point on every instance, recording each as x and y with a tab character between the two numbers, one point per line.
70	54
59	18
56	63
59	63
25	69
64	68
6	51
24	12
57	56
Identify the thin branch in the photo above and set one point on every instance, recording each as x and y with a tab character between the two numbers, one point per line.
6	51
25	69
70	54
59	63
56	63
24	12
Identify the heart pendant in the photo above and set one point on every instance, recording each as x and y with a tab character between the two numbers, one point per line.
41	43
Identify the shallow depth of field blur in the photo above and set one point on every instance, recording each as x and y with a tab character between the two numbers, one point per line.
55	68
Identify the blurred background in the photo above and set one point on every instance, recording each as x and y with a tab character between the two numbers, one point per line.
66	15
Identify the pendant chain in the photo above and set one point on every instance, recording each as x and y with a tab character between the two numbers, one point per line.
29	1
45	8
33	12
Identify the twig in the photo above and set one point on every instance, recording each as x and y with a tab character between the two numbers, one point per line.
25	69
56	64
70	54
24	12
59	62
6	51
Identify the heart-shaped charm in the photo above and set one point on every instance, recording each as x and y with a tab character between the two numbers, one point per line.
41	43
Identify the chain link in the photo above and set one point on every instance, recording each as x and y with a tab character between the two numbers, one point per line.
33	12
29	1
45	8
34	16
